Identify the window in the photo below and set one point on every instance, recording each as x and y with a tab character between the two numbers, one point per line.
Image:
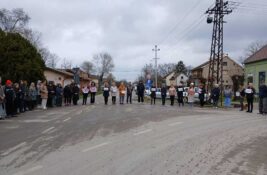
224	63
182	77
262	77
250	79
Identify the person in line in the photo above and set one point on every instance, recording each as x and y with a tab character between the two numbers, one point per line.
9	98
17	102
59	95
122	92
23	105
264	101
153	95
191	95
76	94
67	95
140	92
180	95
38	88
129	92
172	92
106	90
113	90
2	100
93	91
227	97
32	96
215	95
262	95
163	94
44	95
85	91
51	94
250	92
201	95
242	97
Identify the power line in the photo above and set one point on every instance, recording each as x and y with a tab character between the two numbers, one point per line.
180	22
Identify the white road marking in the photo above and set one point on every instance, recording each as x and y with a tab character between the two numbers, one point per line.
95	147
47	130
176	123
35	121
13	149
67	119
142	132
31	170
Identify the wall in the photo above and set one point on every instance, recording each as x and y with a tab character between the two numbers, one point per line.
254	69
168	82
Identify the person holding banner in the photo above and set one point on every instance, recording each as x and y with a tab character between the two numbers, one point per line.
106	90
250	92
113	90
180	95
153	94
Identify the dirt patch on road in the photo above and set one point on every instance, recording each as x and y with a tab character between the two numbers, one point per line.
248	159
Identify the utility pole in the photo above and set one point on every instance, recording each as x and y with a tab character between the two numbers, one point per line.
220	9
156	64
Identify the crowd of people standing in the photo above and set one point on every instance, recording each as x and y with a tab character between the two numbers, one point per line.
16	98
20	97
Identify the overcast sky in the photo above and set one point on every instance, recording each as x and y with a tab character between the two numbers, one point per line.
129	29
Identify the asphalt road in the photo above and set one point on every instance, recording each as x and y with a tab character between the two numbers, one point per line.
137	139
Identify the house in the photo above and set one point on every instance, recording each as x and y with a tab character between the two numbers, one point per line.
175	79
256	67
230	68
58	76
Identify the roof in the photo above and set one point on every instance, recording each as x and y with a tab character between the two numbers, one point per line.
260	55
201	66
207	63
174	76
59	71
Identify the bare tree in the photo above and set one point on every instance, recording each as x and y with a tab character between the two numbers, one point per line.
104	65
52	60
66	64
165	69
251	49
15	20
87	66
34	37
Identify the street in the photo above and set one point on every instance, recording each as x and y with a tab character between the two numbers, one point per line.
133	139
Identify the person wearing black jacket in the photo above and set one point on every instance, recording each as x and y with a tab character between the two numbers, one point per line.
250	92
215	95
153	94
242	97
262	96
180	95
67	95
129	92
163	94
51	94
9	99
140	92
106	90
201	93
76	91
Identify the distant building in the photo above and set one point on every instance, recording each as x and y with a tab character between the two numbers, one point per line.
256	67
66	76
230	68
58	76
176	79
